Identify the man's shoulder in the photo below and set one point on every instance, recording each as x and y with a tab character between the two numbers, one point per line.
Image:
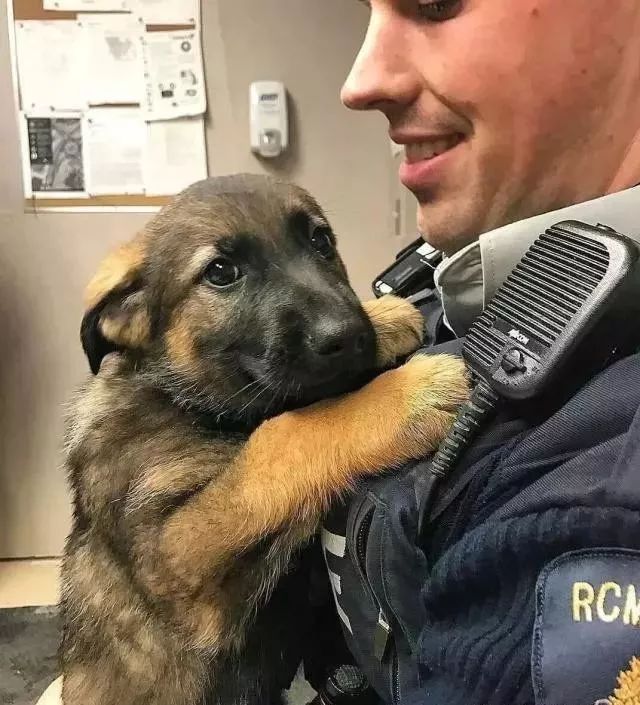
536	492
552	516
550	511
586	454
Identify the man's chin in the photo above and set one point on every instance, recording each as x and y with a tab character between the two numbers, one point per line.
447	226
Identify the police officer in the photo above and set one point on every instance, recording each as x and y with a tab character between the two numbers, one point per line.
514	115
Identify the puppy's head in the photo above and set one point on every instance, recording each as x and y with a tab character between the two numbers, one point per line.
234	300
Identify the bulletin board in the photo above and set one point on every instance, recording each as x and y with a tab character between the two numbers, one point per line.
19	10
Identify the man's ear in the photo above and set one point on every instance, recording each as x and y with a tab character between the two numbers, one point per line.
116	314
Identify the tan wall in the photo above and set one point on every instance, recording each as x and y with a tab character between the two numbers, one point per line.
46	259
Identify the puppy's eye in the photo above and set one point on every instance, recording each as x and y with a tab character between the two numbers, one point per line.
222	272
322	242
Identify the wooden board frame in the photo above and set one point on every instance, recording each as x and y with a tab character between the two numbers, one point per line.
34	10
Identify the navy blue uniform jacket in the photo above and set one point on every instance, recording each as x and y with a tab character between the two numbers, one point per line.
528	590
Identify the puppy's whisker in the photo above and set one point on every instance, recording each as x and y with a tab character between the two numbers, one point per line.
254	399
232	374
277	392
224	402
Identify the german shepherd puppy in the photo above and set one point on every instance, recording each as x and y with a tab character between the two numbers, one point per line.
201	455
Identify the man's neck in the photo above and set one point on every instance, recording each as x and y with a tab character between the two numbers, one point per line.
628	174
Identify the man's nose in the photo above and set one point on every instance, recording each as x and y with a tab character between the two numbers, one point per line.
382	77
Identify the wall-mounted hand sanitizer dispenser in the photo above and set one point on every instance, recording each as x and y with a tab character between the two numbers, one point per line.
269	120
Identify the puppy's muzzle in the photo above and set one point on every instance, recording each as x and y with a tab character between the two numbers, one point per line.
334	345
333	341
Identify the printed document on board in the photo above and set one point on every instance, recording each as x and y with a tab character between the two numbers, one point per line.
51	61
174	77
176	155
87	5
114	141
167	11
114	68
52	155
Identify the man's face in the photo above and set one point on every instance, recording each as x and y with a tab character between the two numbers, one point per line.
506	108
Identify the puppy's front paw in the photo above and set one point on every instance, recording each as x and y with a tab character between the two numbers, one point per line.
435	387
399	327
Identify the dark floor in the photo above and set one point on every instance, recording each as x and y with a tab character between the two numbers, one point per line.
28	644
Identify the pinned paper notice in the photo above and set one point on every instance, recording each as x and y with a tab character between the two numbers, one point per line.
176	155
167	11
87	5
174	78
114	141
52	149
50	57
114	68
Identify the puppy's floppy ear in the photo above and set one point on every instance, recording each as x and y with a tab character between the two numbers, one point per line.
116	315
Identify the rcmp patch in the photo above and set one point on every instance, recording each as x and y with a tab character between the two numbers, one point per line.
587	629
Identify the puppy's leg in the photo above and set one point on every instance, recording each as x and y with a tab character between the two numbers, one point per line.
398	325
294	464
114	651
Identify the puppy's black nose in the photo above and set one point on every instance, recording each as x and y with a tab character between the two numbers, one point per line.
333	339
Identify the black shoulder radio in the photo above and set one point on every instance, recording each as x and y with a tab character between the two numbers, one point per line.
411	272
569	308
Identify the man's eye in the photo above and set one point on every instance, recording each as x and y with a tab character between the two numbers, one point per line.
439	10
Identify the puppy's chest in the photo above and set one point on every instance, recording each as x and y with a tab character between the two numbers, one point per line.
274	643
